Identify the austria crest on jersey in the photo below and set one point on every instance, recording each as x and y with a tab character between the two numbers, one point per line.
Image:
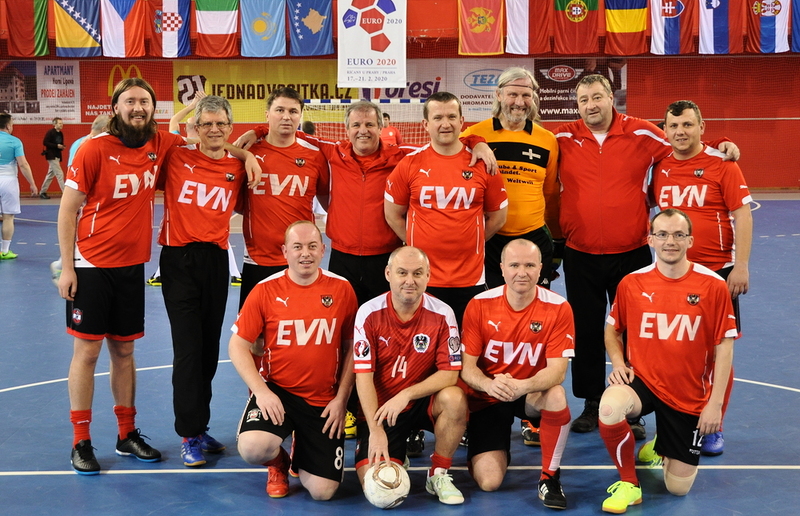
466	174
327	300
536	326
693	299
698	172
421	342
300	162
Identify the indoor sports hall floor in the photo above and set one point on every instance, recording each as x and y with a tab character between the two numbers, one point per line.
759	472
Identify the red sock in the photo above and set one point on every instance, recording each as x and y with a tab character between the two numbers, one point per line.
553	432
80	419
126	420
437	461
620	444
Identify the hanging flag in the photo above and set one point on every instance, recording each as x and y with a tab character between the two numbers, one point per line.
480	27
217	27
575	27
311	27
263	28
721	26
528	26
768	26
77	28
795	25
22	17
123	27
626	22
672	26
169	28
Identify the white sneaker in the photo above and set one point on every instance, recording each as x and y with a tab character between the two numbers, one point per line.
442	486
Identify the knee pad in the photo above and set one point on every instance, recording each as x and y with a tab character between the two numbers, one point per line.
679	486
615	405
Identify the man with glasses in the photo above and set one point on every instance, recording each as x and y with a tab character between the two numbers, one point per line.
679	313
713	192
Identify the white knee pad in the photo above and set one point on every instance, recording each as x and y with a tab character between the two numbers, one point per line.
679	486
615	405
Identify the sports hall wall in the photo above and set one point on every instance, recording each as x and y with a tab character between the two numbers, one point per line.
752	99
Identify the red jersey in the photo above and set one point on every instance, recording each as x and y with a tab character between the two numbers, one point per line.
291	177
515	342
707	189
604	187
391	136
115	223
303	328
402	354
199	195
446	200
672	327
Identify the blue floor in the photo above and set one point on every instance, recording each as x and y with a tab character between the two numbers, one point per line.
758	473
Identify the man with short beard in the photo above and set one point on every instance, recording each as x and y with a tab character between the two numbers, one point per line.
105	235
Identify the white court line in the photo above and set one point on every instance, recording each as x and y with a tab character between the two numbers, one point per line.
211	471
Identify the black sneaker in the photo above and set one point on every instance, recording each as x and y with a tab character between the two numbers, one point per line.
415	443
587	421
637	427
83	460
550	492
134	445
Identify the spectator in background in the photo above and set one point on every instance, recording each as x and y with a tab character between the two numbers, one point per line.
12	157
53	145
390	135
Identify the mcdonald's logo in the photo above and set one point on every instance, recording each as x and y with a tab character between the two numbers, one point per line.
123	74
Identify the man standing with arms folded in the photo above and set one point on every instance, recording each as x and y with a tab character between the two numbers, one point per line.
12	159
407	358
518	340
603	168
435	201
299	322
53	145
680	329
713	193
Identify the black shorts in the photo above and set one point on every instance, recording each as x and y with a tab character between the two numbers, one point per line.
678	435
456	298
725	272
494	247
314	451
416	418
109	303
252	275
489	429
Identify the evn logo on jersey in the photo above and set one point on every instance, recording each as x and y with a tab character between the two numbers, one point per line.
661	327
126	185
458	198
319	331
193	192
692	195
297	185
510	352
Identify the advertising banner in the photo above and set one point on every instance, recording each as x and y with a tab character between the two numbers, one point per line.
100	77
35	92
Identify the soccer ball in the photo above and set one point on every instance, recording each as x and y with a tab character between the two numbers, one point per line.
386	485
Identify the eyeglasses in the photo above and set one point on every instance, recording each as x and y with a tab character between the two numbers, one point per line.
209	125
678	236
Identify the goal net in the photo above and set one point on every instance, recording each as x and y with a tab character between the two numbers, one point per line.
328	117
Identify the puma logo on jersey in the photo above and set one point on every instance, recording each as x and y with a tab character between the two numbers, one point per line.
389	184
495	324
384	340
579	142
666	172
426	172
260	158
112	158
284	301
190	167
649	296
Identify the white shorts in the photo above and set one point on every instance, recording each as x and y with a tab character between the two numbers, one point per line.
9	195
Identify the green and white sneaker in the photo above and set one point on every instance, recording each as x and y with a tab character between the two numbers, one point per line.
623	495
442	486
647	455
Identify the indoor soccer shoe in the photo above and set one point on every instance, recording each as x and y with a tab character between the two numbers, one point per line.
134	445
713	445
8	255
530	434
210	445
623	495
647	454
349	426
154	281
192	453
83	460
442	486
415	443
278	476
236	281
550	492
637	427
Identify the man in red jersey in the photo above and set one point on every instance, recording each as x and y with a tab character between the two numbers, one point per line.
407	358
105	236
201	185
518	339
680	329
603	167
293	172
300	322
713	192
436	201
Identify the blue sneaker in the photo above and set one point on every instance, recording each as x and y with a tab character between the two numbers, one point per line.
192	453
210	445
713	445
